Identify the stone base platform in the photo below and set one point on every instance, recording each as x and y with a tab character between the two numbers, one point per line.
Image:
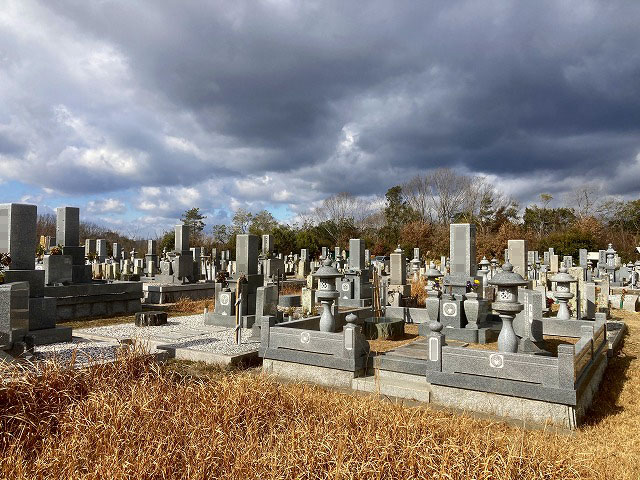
158	294
485	334
183	338
47	336
328	377
417	388
95	299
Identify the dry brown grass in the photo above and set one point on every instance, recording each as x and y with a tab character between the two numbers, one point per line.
188	305
290	289
410	335
418	291
132	419
98	321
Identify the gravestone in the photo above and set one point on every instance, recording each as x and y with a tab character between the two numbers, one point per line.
117	251
182	239
57	269
518	256
308	299
398	267
462	249
151	258
101	249
528	323
267	244
18	234
267	301
68	226
89	246
68	236
247	254
583	257
14	313
590	301
356	254
18	238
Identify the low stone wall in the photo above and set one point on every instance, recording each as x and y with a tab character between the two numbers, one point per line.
160	294
96	299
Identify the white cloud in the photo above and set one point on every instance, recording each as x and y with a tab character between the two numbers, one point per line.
108	205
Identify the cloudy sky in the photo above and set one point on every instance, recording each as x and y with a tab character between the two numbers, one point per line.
135	111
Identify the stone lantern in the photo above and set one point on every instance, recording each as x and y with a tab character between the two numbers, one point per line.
484	271
562	293
327	293
506	304
432	302
432	274
611	262
415	269
494	267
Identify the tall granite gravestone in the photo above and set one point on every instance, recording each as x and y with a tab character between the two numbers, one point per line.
355	288
177	266
518	256
117	251
246	267
583	255
151	257
247	254
463	314
101	249
303	263
89	246
462	249
398	288
462	270
18	239
68	236
267	245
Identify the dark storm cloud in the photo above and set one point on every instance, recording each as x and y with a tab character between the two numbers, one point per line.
330	96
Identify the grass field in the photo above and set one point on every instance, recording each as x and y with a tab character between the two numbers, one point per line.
136	419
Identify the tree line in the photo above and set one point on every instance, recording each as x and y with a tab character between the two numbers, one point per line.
417	214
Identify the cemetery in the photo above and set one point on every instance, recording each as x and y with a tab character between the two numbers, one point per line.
526	339
486	338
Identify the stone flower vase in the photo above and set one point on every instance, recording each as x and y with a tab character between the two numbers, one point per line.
507	340
472	310
432	305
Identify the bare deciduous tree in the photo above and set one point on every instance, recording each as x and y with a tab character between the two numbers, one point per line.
584	200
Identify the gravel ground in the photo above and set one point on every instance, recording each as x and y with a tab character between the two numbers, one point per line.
86	351
184	332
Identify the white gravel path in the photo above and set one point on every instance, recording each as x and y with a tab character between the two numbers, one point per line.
86	351
180	332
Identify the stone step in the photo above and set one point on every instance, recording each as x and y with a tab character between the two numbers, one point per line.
409	387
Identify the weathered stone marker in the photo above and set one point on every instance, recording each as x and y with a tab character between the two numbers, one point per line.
151	319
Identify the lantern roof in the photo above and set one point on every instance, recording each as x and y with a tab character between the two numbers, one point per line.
507	277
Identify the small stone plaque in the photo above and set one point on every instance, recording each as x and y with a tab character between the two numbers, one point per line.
496	360
449	309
